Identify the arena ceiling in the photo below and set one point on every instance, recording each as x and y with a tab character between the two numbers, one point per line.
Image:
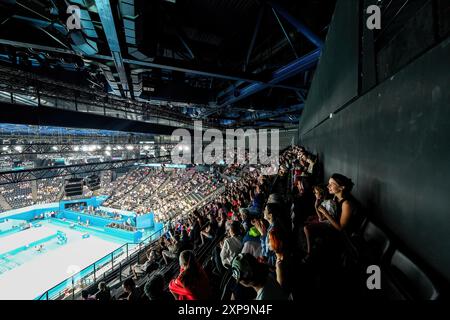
230	62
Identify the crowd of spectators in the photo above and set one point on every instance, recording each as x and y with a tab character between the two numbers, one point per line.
96	212
269	236
17	195
126	184
166	193
48	190
123	226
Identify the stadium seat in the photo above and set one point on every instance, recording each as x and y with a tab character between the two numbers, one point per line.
376	242
406	281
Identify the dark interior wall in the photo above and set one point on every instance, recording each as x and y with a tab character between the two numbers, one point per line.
336	78
394	142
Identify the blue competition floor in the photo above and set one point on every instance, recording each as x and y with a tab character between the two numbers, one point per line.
22	252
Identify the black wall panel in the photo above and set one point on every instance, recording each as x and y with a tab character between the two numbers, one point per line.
415	37
394	142
336	78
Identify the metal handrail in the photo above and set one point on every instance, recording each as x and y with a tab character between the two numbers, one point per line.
93	265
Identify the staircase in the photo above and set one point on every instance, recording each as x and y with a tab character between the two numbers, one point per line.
204	201
60	195
4	204
133	186
34	190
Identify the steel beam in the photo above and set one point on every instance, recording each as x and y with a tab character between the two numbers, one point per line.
109	28
297	24
14	176
257	116
48	116
288	38
68	148
298	65
255	33
174	66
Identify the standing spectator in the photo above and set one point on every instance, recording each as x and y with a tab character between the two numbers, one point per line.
231	245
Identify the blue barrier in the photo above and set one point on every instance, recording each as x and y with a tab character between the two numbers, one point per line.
145	221
83	218
131	236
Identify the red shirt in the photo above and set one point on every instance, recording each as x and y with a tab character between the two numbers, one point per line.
184	293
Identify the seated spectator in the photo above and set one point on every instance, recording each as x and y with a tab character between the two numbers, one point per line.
131	291
318	222
86	296
173	249
207	234
284	261
149	265
154	289
250	273
104	293
346	218
303	200
192	282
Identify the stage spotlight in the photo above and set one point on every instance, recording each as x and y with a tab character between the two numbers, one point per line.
18	148
55	148
76	148
130	148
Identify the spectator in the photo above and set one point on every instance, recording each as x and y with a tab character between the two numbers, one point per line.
245	218
131	292
154	289
252	243
86	296
347	206
284	261
104	293
192	282
318	222
173	249
250	273
231	245
272	215
149	265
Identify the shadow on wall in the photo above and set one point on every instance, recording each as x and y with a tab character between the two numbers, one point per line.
372	197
